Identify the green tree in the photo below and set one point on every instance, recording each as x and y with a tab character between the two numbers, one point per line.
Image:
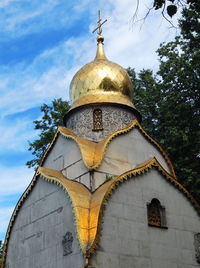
146	98
180	85
170	100
52	117
170	114
180	82
190	24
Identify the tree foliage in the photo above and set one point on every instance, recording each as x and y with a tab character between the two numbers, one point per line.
52	117
170	101
190	26
171	118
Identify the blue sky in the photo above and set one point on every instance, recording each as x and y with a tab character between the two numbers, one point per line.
42	45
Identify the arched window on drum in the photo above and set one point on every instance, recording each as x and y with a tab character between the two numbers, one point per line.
97	120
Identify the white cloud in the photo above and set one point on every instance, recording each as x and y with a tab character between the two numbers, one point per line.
5	3
14	180
25	15
81	5
130	44
5	214
29	87
14	137
23	18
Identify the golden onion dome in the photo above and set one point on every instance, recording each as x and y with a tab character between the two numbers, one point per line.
101	81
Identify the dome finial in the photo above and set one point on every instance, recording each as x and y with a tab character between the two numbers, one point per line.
100	50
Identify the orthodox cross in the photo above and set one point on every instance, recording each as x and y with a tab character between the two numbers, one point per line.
99	24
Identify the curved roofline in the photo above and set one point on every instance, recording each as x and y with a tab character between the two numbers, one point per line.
94	203
93	152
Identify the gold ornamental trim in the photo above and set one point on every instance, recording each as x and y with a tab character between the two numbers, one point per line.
93	152
105	97
80	199
88	207
105	191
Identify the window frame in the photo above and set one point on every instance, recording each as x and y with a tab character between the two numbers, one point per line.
162	213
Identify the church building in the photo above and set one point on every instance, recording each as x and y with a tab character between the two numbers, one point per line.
105	194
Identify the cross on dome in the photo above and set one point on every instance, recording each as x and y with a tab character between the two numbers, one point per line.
99	24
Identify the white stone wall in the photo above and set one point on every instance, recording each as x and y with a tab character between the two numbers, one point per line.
127	241
128	150
36	238
123	153
66	157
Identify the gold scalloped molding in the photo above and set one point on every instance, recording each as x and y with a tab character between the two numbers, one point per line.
80	200
93	152
88	207
57	178
110	186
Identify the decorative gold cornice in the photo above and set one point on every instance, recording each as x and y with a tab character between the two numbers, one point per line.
93	152
88	207
105	191
103	98
81	201
80	197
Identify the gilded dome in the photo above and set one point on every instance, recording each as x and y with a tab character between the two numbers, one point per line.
101	81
